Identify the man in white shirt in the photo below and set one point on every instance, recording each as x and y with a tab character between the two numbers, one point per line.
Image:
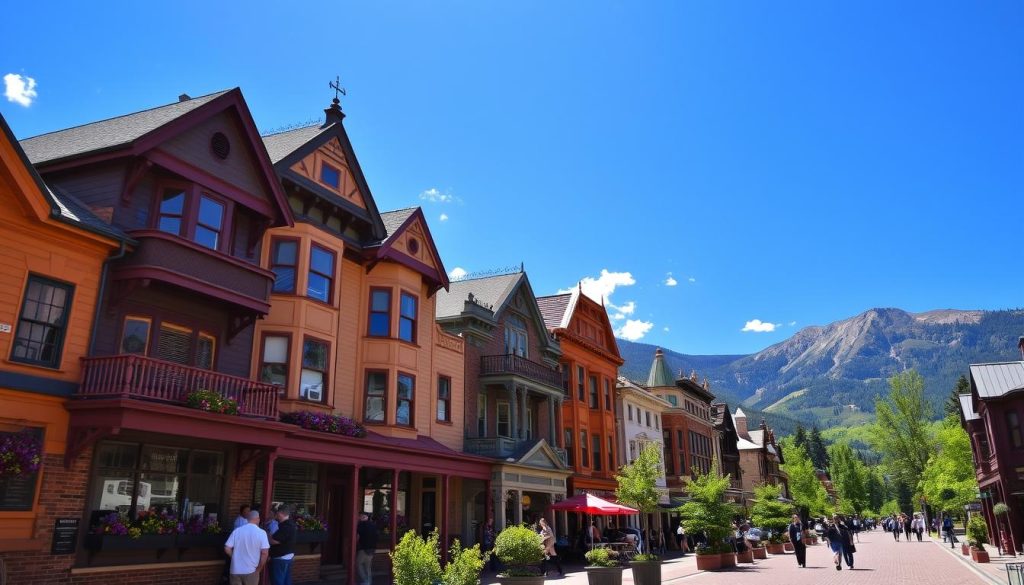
248	548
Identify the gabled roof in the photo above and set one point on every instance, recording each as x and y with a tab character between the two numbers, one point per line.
63	207
559	311
660	376
282	144
997	380
740	413
490	291
756	437
396	222
554	309
108	134
538	454
967	407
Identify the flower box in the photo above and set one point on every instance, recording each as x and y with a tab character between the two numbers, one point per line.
760	552
204	540
604	575
646	572
711	562
979	555
777	549
965	549
123	542
310	536
728	560
746	556
787	547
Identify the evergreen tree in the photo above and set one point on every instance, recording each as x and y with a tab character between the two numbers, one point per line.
816	449
952	404
876	490
800	437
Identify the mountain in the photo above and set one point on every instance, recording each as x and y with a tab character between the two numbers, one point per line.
830	374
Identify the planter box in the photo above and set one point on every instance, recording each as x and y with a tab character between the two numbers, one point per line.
309	536
965	549
746	556
205	540
529	580
646	572
787	547
119	542
810	540
604	575
979	555
709	562
728	560
760	552
778	549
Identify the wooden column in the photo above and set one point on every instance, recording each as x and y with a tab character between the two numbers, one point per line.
394	508
354	509
488	503
513	391
445	486
552	437
522	427
268	486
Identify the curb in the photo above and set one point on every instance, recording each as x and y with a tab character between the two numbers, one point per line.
964	560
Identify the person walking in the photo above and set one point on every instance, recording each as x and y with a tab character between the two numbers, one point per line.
366	547
947	528
547	537
907	522
846	533
248	548
835	542
895	527
282	547
681	539
796	537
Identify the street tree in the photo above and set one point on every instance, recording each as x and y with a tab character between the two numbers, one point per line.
706	512
850	477
804	486
638	481
948	481
770	511
903	438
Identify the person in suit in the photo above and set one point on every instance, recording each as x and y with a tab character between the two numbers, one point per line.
796	533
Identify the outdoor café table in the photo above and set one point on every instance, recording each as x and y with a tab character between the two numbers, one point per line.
625	550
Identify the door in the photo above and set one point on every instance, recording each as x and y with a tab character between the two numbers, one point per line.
428	512
336	512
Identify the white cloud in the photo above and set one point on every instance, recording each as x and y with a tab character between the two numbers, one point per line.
669	281
692	279
20	90
435	195
457	273
634	329
792	323
618	317
444	217
665	329
757	326
604	285
627	309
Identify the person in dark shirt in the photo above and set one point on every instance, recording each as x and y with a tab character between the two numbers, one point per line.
366	546
282	548
796	538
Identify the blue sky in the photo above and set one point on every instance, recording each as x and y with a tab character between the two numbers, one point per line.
792	163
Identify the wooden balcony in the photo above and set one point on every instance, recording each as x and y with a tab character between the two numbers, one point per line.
145	378
504	447
513	365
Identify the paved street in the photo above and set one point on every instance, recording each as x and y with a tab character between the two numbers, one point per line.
879	561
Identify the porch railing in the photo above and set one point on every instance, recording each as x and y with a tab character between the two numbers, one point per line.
520	366
136	376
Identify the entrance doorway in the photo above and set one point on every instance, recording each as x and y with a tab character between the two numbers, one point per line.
428	511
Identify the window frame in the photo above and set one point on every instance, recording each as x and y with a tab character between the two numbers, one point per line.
1013	429
570	451
607	394
366	395
446	401
313	246
596	452
402	318
581	383
497	424
203	194
190	213
61	337
271	263
324	182
287	336
584	449
371	312
412	399
481	421
124	328
326	373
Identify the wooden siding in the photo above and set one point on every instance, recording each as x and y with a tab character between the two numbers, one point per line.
332	154
99	187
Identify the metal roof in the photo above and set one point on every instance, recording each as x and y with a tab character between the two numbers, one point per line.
660	376
108	134
996	380
967	408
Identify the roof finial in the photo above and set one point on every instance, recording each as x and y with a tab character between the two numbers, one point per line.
334	113
522	267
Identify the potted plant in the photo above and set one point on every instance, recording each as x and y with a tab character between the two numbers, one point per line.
201	531
149	530
706	513
1001	510
602	568
745	556
464	565
211	401
760	552
521	551
977	536
20	454
637	488
771	513
787	545
310	529
708	558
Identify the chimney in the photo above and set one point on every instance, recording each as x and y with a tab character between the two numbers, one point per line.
741	424
1020	345
184	97
333	113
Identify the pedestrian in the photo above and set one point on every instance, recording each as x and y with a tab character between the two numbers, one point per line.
835	542
547	538
917	526
366	547
947	528
248	548
487	539
796	533
243	516
846	533
681	539
894	527
282	547
907	526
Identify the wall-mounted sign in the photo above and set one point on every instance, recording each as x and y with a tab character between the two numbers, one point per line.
65	536
5	327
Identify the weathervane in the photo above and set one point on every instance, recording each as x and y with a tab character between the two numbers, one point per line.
336	86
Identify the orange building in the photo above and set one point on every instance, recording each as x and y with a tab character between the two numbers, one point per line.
589	365
53	256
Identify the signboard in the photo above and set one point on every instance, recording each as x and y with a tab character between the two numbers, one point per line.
975	507
65	536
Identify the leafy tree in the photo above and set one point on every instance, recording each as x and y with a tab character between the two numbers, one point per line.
850	478
948	481
889	508
816	449
903	437
876	490
952	404
769	511
706	512
804	487
638	481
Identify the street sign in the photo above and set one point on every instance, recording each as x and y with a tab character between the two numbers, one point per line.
975	507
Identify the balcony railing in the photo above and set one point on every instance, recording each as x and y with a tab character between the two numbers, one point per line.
504	447
494	365
136	376
735	484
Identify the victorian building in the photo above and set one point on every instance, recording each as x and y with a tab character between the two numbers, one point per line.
514	393
727	452
638	419
760	457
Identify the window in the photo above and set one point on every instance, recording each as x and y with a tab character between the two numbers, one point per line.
679	439
657	423
529	424
274	362
481	415
515	336
581	390
320	282
629	410
18	492
406	393
284	255
673	400
172	211
607	394
597	452
44	316
444	399
135	336
313	378
407	318
1013	424
206	347
380	312
632	451
648	418
584	455
209	223
330	176
566	379
376	397
611	454
174	344
504	420
593	392
669	462
569	451
295	482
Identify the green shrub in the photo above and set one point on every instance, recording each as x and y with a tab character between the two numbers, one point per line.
415	560
600	557
977	531
464	565
520	549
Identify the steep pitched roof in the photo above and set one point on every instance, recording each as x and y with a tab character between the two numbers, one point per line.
281	144
967	407
554	309
108	134
660	376
393	220
491	291
998	379
397	222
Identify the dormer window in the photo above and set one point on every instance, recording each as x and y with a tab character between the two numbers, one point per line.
200	217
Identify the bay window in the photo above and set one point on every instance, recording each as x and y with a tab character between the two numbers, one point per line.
274	360
406	396
376	397
407	318
320	279
209	222
284	257
380	312
313	378
190	213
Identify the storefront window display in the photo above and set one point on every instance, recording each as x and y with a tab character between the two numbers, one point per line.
376	489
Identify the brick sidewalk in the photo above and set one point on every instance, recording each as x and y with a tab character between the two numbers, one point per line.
994	570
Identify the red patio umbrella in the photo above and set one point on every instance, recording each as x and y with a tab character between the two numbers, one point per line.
589	504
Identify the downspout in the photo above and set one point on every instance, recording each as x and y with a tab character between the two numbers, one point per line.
121	252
